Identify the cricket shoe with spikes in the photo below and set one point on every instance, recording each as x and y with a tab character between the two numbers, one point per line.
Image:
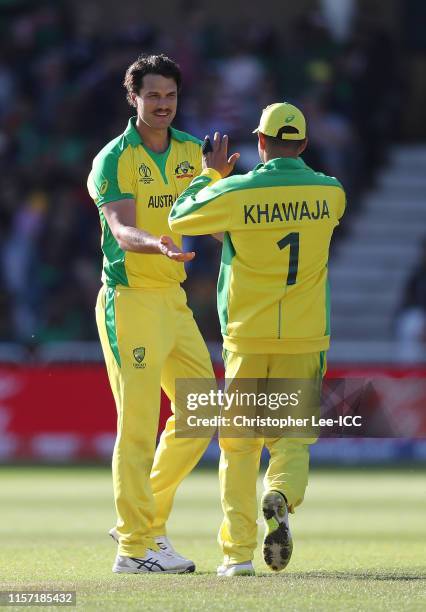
154	561
277	543
165	547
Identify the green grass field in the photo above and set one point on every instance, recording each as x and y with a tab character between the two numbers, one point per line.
360	544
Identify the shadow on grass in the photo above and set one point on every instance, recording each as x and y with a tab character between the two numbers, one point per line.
368	576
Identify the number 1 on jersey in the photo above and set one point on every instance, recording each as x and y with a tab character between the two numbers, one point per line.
291	240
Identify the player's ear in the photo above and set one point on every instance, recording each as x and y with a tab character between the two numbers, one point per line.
261	146
303	146
133	97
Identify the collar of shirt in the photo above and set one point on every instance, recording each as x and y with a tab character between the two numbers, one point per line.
132	134
134	138
283	163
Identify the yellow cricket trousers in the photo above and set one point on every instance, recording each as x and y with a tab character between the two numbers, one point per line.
240	457
149	338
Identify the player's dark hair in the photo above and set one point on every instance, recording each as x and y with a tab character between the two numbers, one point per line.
150	64
285	146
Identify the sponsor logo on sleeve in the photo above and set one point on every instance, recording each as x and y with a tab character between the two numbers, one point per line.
103	187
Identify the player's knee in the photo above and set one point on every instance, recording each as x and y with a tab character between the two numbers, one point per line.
240	445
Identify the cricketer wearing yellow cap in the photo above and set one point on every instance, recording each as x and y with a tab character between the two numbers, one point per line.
148	334
273	304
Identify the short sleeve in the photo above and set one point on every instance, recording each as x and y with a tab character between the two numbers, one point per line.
111	178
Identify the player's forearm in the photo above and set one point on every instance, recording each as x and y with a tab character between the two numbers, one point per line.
137	241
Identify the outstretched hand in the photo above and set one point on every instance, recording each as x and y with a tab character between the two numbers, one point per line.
172	251
217	157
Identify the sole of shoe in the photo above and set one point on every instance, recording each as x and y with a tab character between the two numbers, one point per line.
237	573
129	570
112	532
278	543
227	571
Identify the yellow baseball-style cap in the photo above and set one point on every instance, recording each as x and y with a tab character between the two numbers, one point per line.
282	120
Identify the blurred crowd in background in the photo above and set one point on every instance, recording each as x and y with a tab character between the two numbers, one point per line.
62	99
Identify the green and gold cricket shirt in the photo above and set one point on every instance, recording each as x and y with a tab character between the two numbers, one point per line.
273	294
124	169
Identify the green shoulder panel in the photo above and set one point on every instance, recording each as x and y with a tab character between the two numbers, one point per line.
260	177
104	174
184	136
188	203
191	200
211	192
274	178
116	145
324	179
236	182
200	192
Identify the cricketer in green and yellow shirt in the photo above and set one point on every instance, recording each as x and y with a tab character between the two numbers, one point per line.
126	168
273	303
148	334
273	294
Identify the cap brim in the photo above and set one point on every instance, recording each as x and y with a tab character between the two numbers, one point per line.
255	131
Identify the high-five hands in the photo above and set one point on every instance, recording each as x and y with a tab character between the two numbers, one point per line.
215	155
